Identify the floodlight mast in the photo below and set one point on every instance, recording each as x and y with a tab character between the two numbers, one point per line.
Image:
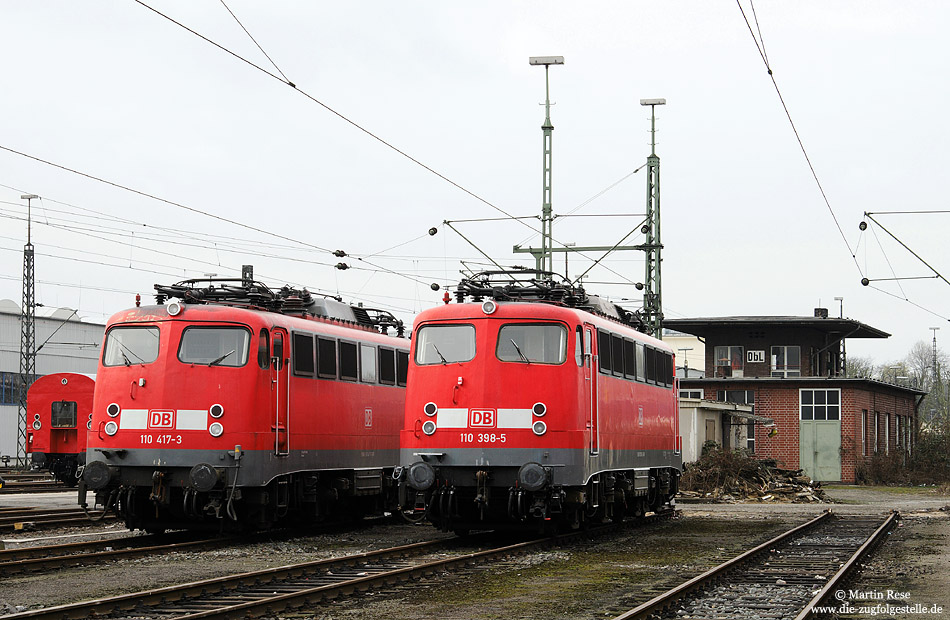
544	262
652	289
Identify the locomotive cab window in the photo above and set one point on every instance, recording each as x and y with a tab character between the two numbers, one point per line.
130	345
263	350
532	343
63	414
445	344
214	346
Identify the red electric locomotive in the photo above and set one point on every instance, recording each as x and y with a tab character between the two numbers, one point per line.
536	405
59	407
240	407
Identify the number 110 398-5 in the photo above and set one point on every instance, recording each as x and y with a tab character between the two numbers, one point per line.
483	438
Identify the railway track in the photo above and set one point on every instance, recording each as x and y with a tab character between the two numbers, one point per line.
786	576
12	519
55	557
34	486
30	482
272	591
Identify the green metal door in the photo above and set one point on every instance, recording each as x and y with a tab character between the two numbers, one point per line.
819	449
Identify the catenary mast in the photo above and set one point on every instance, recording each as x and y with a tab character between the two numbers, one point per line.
27	337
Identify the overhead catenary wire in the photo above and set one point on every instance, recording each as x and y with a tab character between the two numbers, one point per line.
760	46
366	131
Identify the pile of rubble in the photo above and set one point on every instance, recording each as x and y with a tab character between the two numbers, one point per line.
732	476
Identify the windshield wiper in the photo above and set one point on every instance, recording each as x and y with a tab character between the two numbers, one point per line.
125	358
220	359
518	349
444	361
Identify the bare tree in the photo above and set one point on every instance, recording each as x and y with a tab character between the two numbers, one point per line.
860	367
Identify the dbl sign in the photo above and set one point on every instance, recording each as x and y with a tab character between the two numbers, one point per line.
755	357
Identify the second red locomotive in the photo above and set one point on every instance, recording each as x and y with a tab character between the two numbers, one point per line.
536	404
238	406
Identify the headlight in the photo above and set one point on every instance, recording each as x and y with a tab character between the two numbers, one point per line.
36	417
539	409
428	427
216	411
539	428
431	409
37	425
89	425
111	428
216	429
489	307
113	410
173	309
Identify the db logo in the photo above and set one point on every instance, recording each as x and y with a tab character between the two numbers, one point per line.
482	417
161	419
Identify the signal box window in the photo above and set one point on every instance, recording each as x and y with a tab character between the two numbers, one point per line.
303	355
786	362
326	358
367	363
820	404
63	414
387	366
532	344
130	345
402	367
214	346
603	351
445	344
348	363
729	361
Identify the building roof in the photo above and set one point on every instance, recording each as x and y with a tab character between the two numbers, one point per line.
845	328
855	381
68	315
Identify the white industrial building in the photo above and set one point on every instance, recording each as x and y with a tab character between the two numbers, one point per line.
64	343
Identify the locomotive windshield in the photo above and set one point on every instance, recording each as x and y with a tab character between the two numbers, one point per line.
130	345
215	346
536	343
444	344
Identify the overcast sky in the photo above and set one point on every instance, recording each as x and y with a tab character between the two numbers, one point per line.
113	90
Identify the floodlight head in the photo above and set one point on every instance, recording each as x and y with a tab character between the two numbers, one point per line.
546	60
653	102
28	196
